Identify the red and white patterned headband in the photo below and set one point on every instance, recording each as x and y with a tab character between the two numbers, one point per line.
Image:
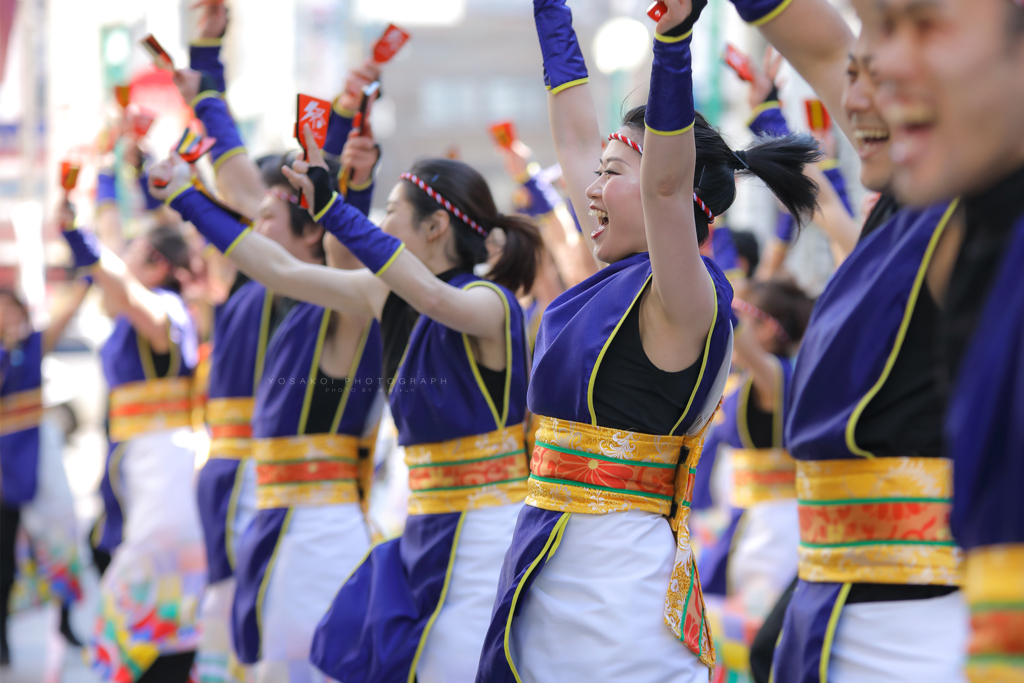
755	312
415	180
640	150
282	195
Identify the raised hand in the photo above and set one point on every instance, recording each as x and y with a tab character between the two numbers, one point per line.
764	80
677	11
188	82
215	20
298	174
169	176
355	81
360	155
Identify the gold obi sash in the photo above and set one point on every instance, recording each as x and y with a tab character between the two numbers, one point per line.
595	470
230	422
310	470
151	405
480	471
877	520
761	475
994	588
21	410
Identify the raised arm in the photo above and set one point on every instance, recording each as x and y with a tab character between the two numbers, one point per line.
61	317
239	182
682	292
124	294
815	39
574	126
478	311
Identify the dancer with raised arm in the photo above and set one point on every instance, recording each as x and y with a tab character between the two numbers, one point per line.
455	359
600	583
149	595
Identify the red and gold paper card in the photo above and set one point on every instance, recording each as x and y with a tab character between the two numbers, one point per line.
315	113
123	95
504	134
160	57
140	120
69	175
739	62
388	45
818	119
194	144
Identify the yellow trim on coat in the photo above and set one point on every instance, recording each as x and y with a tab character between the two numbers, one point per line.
548	550
387	264
762	108
567	85
830	632
851	424
205	95
768	17
330	203
670	133
206	42
229	530
440	600
604	349
662	38
261	595
233	152
235	242
357	358
499	418
313	368
703	361
174	195
261	345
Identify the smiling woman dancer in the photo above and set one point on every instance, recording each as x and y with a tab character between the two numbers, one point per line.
599	583
418	605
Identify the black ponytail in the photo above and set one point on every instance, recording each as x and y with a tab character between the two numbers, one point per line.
778	162
171	245
466	189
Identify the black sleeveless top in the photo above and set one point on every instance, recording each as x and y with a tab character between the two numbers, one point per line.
632	393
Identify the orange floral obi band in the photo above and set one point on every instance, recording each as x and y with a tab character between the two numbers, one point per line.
152	405
309	471
485	470
594	470
581	468
994	587
230	422
21	410
877	520
761	475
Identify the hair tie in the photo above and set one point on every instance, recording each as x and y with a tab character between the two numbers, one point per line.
696	200
755	312
741	156
286	197
431	192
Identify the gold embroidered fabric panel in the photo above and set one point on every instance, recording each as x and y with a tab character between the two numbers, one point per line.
877	520
594	470
479	471
761	475
230	422
994	588
311	470
153	405
21	410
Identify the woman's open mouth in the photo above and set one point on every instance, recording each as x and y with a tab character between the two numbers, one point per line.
602	220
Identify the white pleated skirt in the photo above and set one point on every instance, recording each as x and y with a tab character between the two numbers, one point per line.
596	610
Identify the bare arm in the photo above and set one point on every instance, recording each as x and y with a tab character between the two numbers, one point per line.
763	366
577	139
816	40
127	296
842	228
682	295
61	318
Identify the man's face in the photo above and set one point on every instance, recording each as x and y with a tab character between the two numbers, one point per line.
951	88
